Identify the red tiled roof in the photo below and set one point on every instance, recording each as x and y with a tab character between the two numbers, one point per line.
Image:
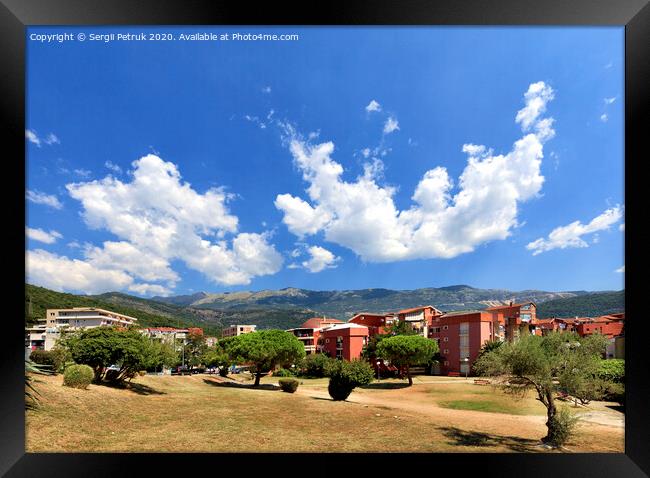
315	322
414	309
497	307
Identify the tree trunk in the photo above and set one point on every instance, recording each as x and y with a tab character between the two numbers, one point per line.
551	411
258	376
408	375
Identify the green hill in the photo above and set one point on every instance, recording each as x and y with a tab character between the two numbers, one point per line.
588	305
148	313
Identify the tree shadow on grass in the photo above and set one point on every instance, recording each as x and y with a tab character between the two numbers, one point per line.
138	388
618	408
264	386
384	386
470	438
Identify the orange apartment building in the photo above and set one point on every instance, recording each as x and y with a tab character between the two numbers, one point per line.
344	341
309	332
420	318
376	323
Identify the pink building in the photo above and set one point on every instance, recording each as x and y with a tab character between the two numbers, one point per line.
344	341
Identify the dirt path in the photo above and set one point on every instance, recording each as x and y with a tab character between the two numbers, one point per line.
399	405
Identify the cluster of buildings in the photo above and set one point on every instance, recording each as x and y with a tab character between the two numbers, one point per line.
459	335
47	332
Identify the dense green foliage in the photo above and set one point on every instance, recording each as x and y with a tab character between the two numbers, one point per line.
586	305
54	358
552	364
78	376
346	376
314	365
612	370
289	385
127	349
283	372
265	349
217	356
406	351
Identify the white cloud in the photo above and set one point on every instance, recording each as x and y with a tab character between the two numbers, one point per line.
373	106
365	152
63	274
320	259
362	215
42	236
33	137
159	218
84	173
620	270
38	197
609	101
150	289
391	125
52	139
537	96
622	227
113	167
266	89
570	236
604	117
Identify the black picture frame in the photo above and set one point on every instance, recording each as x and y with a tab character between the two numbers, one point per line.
15	15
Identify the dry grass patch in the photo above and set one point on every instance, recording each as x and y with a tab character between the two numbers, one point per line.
192	414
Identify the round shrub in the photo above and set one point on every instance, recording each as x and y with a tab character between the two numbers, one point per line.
339	389
289	385
78	376
346	376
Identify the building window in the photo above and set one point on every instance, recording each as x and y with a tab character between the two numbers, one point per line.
339	354
445	327
446	362
446	339
446	351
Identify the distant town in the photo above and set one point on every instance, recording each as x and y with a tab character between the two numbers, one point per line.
459	335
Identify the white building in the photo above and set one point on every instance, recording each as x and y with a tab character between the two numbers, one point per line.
47	332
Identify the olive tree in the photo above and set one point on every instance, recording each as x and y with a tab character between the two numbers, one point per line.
265	349
552	364
407	350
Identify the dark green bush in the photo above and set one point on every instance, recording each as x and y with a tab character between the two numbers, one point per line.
142	373
78	376
346	376
283	372
289	385
315	365
43	357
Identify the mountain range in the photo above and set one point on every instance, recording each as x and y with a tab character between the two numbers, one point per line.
289	307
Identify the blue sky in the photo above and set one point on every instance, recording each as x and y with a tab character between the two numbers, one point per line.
330	162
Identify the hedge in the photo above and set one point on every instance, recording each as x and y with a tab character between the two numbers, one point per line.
289	385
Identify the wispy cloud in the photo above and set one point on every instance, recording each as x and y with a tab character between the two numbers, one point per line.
42	236
373	106
571	235
391	125
38	197
113	167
